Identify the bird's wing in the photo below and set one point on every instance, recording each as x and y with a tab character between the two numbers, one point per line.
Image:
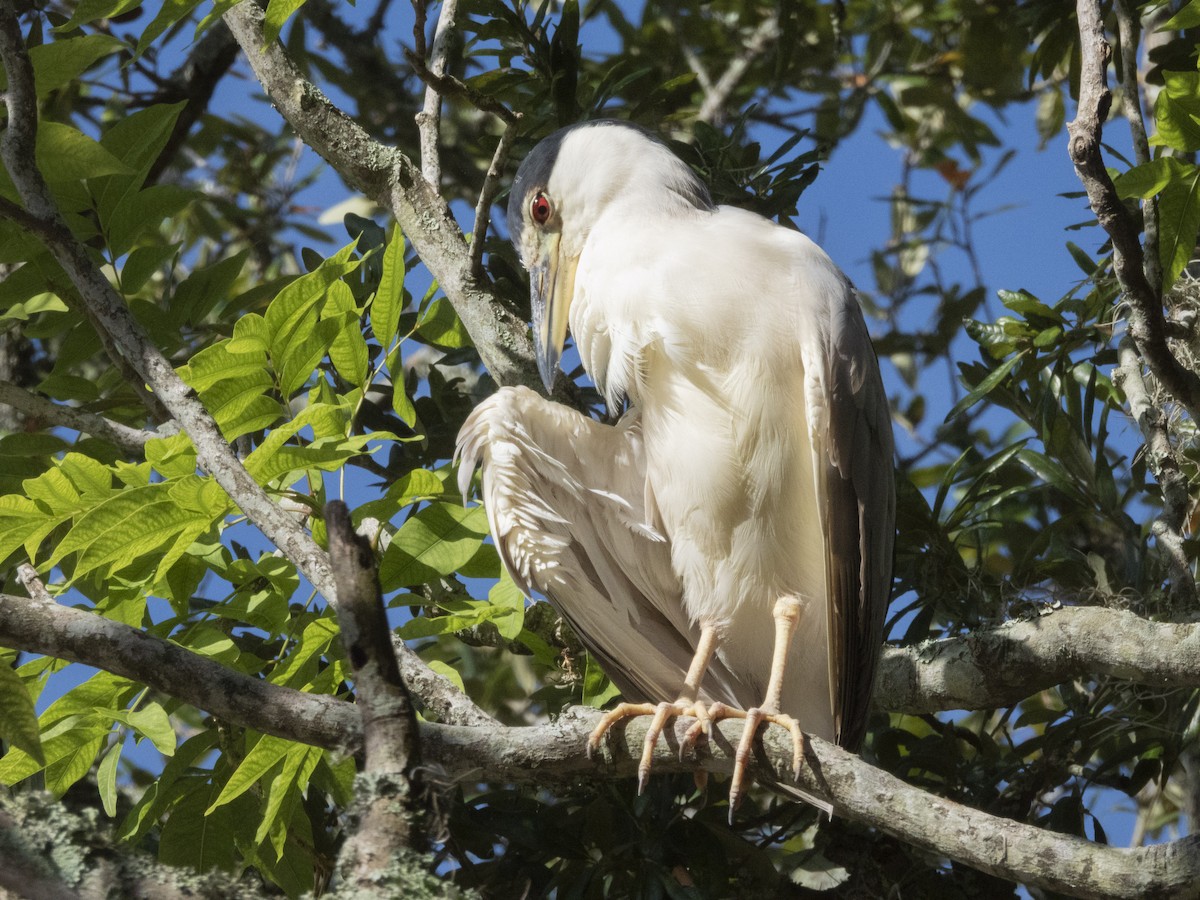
565	501
852	440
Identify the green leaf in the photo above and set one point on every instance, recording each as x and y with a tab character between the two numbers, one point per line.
159	793
1178	225
298	340
89	10
191	838
137	139
150	721
440	326
1149	178
597	689
170	12
455	615
264	756
142	263
23	522
235	387
138	211
18	721
1177	111
137	522
202	290
348	352
506	596
67	154
434	542
57	64
285	792
402	404
985	387
389	297
278	12
317	637
1187	17
106	779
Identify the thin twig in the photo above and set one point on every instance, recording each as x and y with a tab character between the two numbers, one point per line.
447	85
30	580
429	119
1131	94
487	196
712	110
1146	321
131	440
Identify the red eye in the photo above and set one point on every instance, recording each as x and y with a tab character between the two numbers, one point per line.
539	209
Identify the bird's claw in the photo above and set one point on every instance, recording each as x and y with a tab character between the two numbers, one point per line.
661	713
753	718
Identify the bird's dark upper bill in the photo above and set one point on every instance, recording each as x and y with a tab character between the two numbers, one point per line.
550	289
548	329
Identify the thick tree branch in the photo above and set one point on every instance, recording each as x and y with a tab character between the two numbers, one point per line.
1116	643
997	667
983	670
386	798
43	626
389	177
1164	464
858	791
131	440
1146	322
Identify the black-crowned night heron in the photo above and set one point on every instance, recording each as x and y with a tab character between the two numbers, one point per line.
725	549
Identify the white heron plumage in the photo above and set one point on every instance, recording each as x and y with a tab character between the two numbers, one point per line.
729	540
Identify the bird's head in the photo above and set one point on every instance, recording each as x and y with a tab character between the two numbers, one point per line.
565	185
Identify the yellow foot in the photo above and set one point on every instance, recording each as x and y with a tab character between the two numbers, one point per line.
753	717
661	713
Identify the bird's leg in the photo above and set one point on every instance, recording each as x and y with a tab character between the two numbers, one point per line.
786	615
685	705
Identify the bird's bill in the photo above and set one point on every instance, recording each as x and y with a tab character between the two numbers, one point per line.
551	284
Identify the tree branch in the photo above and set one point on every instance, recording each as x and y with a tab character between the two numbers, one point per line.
429	119
716	95
131	440
1066	644
389	177
386	798
487	196
40	625
1000	666
858	791
1131	94
1146	321
1164	465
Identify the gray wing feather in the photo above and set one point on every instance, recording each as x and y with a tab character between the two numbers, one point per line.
860	516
